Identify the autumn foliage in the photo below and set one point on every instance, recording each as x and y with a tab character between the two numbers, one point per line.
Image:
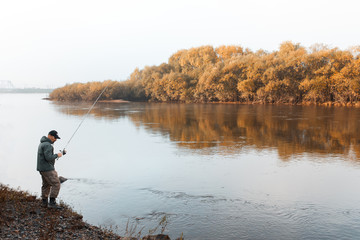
293	74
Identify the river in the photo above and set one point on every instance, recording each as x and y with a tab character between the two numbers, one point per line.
211	171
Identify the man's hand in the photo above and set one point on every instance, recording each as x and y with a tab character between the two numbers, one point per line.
59	155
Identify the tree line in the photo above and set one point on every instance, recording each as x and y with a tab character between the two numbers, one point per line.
293	74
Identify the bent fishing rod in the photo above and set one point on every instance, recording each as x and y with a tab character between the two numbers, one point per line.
97	99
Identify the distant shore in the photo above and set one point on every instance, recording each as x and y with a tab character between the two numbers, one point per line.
326	104
26	90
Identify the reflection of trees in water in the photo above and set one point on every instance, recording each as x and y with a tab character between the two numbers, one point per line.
100	111
289	129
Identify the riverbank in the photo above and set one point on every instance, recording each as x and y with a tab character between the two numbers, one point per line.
114	101
22	217
304	103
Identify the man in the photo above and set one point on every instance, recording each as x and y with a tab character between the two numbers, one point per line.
45	165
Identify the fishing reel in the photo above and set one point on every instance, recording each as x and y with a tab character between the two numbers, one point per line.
63	152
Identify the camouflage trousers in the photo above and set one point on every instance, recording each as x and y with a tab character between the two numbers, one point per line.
50	184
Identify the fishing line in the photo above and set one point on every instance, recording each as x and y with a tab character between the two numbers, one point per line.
85	117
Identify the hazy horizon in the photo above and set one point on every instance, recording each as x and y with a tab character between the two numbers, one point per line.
49	44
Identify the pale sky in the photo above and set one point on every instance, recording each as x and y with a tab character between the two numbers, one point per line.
47	43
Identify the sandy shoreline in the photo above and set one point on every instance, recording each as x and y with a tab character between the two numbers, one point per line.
114	101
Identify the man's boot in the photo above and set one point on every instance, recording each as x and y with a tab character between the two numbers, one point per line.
44	202
52	204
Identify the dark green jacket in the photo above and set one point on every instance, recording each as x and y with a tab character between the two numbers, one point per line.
46	157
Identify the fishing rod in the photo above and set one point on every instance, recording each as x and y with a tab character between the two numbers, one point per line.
97	99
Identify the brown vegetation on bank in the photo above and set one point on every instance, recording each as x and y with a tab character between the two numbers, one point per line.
22	217
293	75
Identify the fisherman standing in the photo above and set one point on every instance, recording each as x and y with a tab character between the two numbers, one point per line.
45	165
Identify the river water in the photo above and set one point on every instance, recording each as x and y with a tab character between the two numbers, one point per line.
212	171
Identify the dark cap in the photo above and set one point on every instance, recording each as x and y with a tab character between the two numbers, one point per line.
54	134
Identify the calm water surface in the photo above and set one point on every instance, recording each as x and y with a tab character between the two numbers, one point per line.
215	171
